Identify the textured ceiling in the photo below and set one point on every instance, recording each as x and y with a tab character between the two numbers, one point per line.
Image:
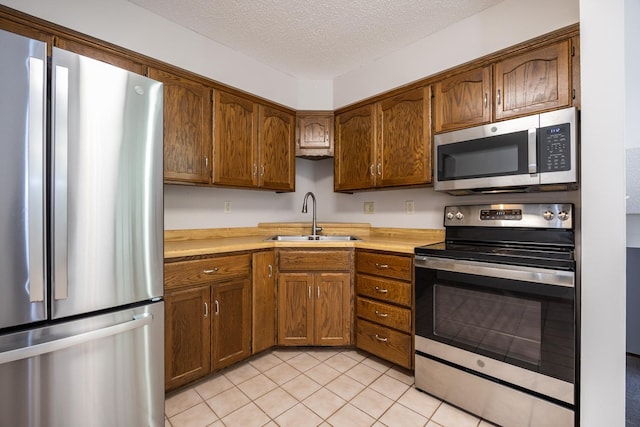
315	39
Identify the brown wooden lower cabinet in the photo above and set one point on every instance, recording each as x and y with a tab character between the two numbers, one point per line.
384	305
263	301
314	306
207	316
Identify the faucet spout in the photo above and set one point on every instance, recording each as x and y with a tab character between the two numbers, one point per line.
314	224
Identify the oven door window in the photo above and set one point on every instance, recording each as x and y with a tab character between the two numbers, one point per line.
530	325
485	157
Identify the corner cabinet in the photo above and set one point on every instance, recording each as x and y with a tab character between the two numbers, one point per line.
314	297
386	144
187	128
534	80
314	134
207	316
253	144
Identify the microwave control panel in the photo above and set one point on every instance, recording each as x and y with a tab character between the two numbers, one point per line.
554	148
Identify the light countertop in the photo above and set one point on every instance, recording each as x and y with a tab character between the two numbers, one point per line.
184	243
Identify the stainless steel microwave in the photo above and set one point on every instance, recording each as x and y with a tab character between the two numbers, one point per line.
532	153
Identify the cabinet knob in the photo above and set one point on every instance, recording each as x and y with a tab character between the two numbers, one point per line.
206	309
371	170
486	100
379	167
270	271
498	98
217	308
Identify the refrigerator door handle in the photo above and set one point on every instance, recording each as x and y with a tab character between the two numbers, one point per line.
60	147
35	168
35	350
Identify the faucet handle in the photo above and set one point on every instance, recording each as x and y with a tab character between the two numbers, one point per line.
318	229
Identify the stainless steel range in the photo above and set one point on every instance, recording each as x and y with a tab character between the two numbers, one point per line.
496	313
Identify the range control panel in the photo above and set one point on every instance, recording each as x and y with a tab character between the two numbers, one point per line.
532	215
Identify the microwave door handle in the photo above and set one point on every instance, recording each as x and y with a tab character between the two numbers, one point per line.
532	142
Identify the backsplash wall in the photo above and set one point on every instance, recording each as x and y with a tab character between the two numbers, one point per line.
198	207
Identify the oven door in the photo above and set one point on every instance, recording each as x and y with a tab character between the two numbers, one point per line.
510	323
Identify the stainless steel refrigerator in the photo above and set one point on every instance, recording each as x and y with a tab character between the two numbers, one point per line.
81	241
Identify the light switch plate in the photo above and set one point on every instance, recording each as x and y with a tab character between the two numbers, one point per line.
227	207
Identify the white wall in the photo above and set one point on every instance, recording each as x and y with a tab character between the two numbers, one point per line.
602	42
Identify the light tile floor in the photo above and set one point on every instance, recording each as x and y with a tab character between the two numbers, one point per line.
311	387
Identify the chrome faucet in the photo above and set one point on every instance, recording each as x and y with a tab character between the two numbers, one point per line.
314	225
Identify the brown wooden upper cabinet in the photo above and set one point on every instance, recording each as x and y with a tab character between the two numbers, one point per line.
187	128
100	53
253	144
314	134
463	100
537	80
385	144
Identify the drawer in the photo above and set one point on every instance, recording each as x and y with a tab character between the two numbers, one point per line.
384	314
384	289
185	273
385	265
385	343
310	260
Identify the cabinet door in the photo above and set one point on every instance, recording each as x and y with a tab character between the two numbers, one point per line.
264	301
187	128
187	335
404	139
354	152
332	311
231	322
235	148
295	309
277	151
315	134
533	81
463	100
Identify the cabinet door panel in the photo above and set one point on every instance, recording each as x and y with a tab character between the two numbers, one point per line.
235	141
404	134
187	336
332	309
264	302
463	100
187	128
295	324
534	81
277	155
232	322
354	154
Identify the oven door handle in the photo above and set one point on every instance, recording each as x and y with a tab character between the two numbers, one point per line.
502	271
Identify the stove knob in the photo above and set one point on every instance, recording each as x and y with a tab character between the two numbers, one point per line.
548	215
459	216
563	215
450	215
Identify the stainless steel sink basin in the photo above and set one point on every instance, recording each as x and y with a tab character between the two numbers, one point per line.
309	237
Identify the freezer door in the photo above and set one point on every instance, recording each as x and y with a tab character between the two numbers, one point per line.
22	136
105	370
107	190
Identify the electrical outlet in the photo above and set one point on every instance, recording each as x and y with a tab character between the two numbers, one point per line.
227	207
410	208
368	208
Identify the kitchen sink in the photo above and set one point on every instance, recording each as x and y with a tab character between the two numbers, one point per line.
309	237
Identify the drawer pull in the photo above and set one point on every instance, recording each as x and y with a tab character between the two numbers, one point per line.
381	339
213	270
381	314
382	266
382	291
